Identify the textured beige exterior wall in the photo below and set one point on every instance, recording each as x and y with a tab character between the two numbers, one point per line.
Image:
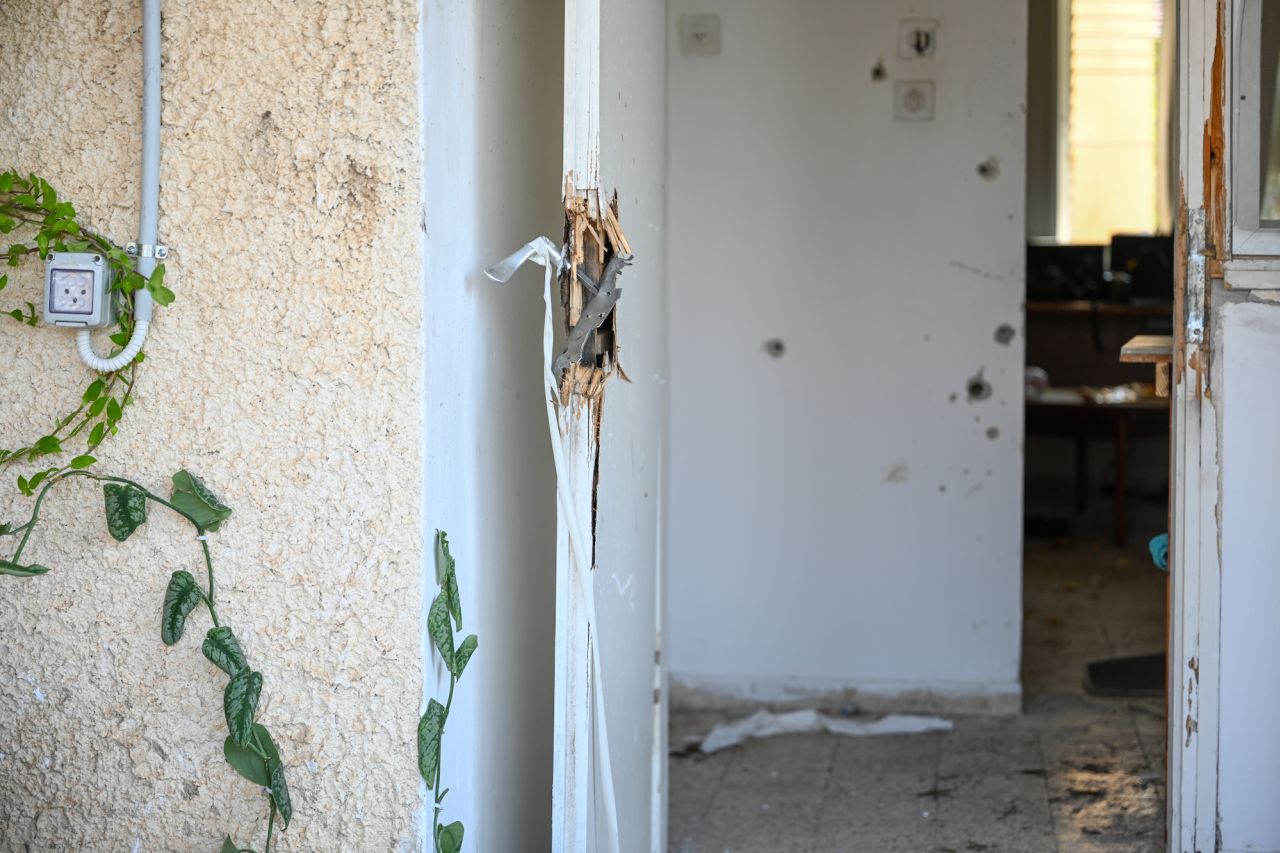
287	375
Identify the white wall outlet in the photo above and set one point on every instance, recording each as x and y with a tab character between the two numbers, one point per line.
700	35
77	288
917	38
913	100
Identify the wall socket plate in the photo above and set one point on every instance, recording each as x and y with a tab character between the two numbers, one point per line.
913	100
77	291
917	38
700	35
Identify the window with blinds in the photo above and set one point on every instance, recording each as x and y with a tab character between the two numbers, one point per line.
1112	176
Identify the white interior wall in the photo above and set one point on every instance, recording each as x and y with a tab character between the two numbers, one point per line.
491	108
845	516
1249	758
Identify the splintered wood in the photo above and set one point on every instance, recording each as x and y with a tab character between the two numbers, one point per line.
592	236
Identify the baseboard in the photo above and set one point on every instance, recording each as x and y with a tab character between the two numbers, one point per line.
716	693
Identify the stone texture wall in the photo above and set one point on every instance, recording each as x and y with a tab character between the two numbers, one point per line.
287	375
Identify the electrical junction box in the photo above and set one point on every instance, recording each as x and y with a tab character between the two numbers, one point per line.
77	291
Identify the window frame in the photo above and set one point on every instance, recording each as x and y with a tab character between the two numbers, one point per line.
1253	257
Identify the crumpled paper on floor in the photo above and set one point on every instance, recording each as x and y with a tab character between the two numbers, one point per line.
768	724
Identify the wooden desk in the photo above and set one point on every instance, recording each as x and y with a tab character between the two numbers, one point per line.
1077	342
1151	349
1074	414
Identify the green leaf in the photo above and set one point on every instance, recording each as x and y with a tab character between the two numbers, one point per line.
14	570
463	654
228	846
444	561
96	434
280	792
194	499
126	510
82	462
223	649
449	838
155	284
268	745
447	578
114	412
98	406
240	703
94	391
48	444
246	762
430	727
439	629
180	598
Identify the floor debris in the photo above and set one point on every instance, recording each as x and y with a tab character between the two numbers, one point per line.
1009	778
769	724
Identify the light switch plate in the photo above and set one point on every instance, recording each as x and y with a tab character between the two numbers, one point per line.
700	35
913	100
917	38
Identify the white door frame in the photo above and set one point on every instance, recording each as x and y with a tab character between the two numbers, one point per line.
574	748
1196	582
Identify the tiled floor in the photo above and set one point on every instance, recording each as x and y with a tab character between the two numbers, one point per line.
1074	774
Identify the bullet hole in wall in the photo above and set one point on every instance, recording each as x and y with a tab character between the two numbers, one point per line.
993	432
1004	334
989	169
878	72
775	347
978	387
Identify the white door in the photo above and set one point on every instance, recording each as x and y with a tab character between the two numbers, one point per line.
1224	687
609	791
1192	783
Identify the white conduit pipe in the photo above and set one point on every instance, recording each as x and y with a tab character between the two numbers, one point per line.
545	253
150	199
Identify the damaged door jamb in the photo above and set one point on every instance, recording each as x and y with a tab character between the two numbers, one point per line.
594	245
587	268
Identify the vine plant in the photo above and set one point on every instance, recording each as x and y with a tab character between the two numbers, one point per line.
31	208
444	607
249	748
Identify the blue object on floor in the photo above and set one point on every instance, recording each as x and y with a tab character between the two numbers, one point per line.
1160	551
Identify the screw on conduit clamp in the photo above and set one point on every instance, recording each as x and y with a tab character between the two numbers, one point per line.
159	251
